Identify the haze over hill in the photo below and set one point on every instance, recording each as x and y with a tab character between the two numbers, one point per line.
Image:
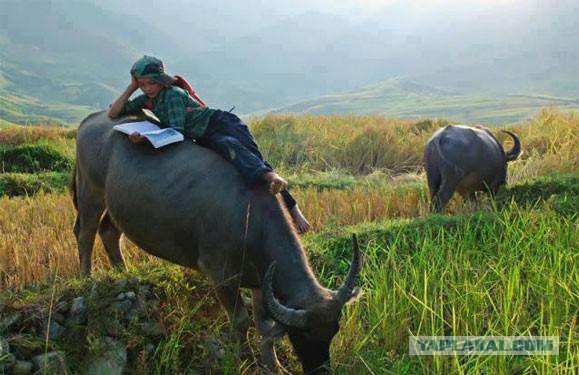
260	56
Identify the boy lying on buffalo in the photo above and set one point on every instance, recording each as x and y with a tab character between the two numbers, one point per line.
221	131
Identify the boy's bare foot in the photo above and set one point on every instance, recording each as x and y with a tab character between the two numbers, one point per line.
300	222
276	183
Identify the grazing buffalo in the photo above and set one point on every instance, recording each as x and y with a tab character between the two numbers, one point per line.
466	159
186	204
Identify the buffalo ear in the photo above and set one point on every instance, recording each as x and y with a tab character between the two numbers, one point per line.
355	296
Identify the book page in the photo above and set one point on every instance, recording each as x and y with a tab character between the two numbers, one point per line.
140	127
163	137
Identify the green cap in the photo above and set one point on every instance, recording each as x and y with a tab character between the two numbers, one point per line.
151	67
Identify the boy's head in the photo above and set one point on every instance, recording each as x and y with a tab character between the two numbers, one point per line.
150	73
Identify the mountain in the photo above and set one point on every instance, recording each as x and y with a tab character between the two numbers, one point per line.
57	53
256	55
490	49
403	98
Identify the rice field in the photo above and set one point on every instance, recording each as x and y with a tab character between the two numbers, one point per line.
492	269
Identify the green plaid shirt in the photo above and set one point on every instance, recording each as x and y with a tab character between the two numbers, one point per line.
176	109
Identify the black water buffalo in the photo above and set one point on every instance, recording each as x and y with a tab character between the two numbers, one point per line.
466	159
186	204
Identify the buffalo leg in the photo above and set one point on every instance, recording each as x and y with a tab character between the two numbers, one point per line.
449	183
90	206
85	229
233	304
111	236
227	285
433	178
471	199
268	332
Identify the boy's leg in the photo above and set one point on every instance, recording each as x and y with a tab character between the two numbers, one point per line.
247	164
231	125
226	127
229	132
288	199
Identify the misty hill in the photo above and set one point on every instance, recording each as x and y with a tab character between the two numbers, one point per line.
58	54
523	47
258	56
404	98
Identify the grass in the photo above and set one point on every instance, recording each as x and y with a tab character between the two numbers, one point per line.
506	267
501	272
28	184
512	273
334	151
362	145
33	158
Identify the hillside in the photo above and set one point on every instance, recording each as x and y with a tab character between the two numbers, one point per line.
62	60
399	97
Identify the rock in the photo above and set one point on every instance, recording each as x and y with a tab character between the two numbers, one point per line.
58	317
111	361
113	327
50	363
153	329
134	315
150	349
93	294
26	346
4	347
121	285
9	320
55	330
144	290
62	307
122	306
78	311
130	295
7	361
214	348
133	282
22	368
138	310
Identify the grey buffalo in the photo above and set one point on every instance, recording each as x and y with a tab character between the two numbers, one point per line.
187	205
466	159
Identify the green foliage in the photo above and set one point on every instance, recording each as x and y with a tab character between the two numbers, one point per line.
33	158
28	184
507	272
542	188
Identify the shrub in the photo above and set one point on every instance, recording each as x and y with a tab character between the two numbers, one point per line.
33	158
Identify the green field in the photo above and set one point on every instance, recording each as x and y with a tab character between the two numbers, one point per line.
503	267
402	98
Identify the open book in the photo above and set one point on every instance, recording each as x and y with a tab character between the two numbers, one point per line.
157	136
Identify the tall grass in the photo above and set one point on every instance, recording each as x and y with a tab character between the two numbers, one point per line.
30	134
36	239
511	273
361	145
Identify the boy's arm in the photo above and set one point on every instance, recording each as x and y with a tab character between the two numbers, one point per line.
118	105
133	105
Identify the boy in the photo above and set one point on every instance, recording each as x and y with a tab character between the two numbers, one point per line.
220	131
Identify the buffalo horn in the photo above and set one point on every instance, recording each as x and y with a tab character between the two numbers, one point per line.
284	315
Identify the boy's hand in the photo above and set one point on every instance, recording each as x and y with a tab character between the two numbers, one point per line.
136	137
134	85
